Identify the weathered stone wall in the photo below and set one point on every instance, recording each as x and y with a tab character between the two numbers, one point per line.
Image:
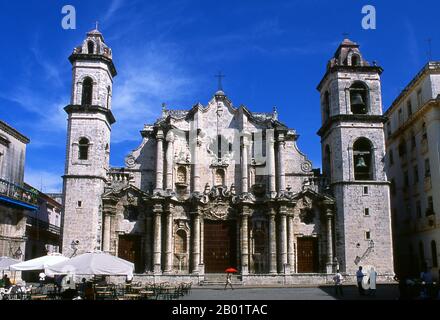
12	230
96	129
12	154
12	160
82	223
102	81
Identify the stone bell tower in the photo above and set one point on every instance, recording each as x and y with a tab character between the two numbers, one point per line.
88	144
353	149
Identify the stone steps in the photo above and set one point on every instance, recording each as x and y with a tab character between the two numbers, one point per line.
219	279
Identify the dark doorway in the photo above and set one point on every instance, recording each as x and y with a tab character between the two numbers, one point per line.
307	255
220	248
129	249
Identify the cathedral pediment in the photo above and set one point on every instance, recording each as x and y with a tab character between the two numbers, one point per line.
131	192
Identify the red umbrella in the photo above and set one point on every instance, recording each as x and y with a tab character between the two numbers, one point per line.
231	270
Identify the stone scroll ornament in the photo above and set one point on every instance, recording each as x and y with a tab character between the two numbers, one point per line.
306	166
130	161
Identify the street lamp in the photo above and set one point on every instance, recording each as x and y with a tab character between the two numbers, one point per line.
18	253
74	245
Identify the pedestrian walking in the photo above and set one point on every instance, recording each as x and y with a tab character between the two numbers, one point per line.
426	278
338	283
373	276
438	285
229	280
359	276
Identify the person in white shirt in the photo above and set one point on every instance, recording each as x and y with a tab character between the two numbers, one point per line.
373	276
338	283
42	277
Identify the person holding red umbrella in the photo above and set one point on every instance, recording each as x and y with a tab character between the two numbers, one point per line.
229	272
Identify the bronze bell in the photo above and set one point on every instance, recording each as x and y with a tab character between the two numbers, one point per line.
361	163
357	101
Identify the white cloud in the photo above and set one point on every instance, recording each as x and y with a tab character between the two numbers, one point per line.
50	115
412	43
114	6
147	78
45	181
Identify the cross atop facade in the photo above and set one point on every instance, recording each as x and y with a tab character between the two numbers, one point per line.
220	76
96	25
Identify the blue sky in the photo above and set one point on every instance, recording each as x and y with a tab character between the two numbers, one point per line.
272	52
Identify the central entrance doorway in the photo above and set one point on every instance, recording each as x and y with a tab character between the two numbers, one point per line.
220	245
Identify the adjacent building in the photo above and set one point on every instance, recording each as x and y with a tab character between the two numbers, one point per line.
15	198
43	227
216	185
413	167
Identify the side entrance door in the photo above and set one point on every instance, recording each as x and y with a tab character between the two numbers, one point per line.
129	248
307	248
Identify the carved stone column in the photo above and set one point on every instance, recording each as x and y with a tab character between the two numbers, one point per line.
169	240
283	241
106	232
196	243
170	159
281	167
290	246
271	163
202	243
159	160
157	239
196	168
244	237
244	164
272	243
148	242
329	216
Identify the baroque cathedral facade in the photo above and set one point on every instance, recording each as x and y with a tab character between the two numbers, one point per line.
218	186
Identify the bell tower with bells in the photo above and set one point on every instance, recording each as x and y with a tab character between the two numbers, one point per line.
353	151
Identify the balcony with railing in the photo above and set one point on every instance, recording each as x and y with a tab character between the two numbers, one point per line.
43	225
119	175
19	196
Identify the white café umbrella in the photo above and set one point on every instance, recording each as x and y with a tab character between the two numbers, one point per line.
6	262
93	263
39	263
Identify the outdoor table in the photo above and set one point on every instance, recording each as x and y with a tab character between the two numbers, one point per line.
168	292
104	294
146	294
132	296
137	288
101	288
39	297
